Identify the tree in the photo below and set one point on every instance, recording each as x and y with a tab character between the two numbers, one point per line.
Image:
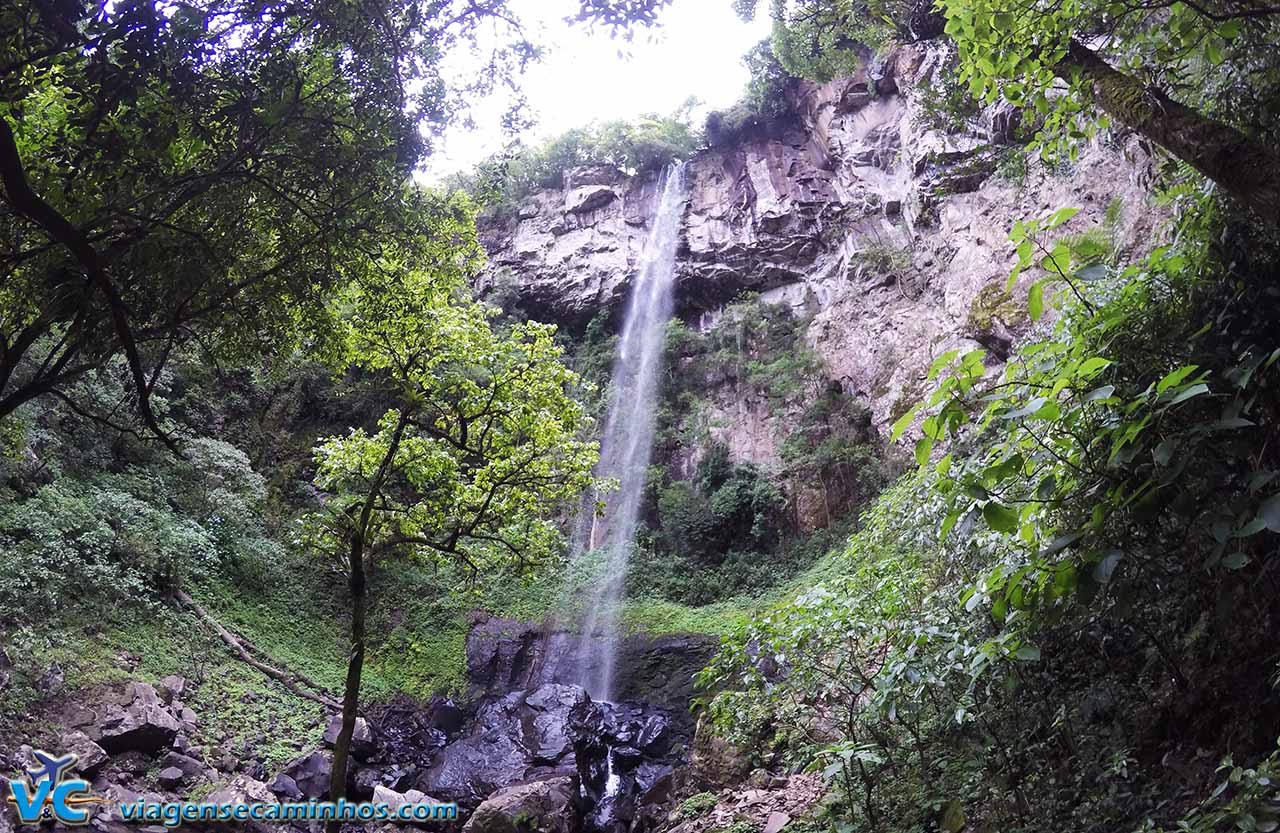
821	40
1063	62
480	446
206	172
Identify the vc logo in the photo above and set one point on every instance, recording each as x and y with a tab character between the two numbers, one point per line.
45	793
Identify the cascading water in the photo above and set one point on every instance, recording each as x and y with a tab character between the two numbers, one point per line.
627	439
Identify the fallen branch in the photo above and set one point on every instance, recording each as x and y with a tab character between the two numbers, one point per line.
245	650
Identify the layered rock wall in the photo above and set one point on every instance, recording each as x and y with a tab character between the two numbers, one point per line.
887	231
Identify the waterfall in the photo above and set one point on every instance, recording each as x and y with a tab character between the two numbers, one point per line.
627	439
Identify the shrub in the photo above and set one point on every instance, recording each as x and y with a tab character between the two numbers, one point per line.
698	805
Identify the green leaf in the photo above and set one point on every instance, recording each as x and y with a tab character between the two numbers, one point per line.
1235	561
904	422
1103	570
924	446
1028	653
1027	410
1035	300
1175	377
1059	217
1060	543
1189	393
1000	517
1091	366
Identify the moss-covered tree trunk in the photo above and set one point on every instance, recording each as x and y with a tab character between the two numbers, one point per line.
357	585
355	667
1242	166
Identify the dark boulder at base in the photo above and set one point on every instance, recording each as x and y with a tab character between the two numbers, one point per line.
626	759
137	722
311	773
514	738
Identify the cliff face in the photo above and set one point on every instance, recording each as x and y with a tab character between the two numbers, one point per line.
885	229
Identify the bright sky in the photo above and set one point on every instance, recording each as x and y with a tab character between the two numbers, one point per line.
697	50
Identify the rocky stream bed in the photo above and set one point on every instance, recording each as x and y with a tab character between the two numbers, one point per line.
524	749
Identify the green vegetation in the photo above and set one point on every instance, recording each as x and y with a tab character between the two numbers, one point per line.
733	530
698	805
228	372
640	146
1023	626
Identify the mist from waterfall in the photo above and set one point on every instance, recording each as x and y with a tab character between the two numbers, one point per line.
626	442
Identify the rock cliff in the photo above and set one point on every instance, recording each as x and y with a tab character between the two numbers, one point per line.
864	211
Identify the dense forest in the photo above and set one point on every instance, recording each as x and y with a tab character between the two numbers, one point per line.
956	506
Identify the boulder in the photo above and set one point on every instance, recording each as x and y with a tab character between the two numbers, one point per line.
395	800
776	822
311	773
241	788
138	722
188	766
170	777
519	736
285	787
588	198
175	685
545	806
363	745
90	756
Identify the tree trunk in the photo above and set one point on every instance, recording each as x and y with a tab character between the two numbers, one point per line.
355	666
359	601
1243	167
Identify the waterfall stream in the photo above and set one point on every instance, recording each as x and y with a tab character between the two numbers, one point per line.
627	438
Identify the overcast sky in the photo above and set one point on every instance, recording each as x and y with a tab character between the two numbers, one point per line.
697	50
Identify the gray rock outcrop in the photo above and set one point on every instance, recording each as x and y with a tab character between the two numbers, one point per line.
547	806
886	229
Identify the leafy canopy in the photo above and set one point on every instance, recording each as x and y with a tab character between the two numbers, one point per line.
483	441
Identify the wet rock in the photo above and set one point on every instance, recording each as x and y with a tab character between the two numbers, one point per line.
546	806
624	761
500	654
363	744
311	773
514	738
